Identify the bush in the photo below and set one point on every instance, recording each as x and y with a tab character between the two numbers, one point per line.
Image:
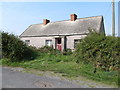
45	49
15	49
48	49
0	46
100	50
67	52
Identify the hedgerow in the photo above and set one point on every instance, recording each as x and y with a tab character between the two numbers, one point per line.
15	49
100	50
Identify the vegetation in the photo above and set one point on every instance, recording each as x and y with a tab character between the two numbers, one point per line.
99	50
68	68
96	57
15	49
67	52
0	45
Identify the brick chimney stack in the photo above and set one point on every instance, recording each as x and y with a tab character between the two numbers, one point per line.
73	17
45	21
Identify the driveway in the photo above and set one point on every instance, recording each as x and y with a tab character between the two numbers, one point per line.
16	78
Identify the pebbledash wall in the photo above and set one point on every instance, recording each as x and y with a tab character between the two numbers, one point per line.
41	41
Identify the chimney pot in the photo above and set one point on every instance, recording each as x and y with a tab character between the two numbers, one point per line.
73	17
45	21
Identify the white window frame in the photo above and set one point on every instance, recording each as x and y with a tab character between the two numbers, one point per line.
48	42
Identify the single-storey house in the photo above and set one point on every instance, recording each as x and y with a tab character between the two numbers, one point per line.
61	34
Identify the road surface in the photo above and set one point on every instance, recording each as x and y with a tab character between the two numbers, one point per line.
16	78
12	78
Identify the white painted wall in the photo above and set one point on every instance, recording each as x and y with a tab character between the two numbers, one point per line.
70	40
40	41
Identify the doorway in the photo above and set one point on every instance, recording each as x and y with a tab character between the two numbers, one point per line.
58	44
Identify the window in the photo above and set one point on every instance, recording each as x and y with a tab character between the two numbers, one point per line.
48	42
27	42
76	41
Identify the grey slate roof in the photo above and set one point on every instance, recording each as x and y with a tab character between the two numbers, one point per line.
67	27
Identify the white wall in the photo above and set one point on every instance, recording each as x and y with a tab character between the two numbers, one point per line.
70	40
40	41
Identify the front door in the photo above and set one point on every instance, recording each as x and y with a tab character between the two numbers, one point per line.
58	44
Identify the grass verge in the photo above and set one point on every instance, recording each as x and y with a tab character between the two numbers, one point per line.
67	67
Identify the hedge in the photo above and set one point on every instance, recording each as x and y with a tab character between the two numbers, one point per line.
100	50
15	49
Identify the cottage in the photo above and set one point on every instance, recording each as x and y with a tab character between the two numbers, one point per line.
61	34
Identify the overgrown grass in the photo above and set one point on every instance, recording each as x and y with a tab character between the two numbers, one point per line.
65	65
96	57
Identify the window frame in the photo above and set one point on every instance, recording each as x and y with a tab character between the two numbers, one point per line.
46	44
27	42
76	41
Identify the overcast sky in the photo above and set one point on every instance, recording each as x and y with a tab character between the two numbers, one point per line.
17	16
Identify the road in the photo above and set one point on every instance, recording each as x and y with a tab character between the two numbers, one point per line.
18	78
12	78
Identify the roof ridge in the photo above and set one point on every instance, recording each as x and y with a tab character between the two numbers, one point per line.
69	19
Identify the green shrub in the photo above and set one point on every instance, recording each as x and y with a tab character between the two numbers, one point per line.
67	51
45	49
48	49
15	49
100	50
0	46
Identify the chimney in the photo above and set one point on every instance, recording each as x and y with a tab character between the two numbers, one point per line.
73	17
45	21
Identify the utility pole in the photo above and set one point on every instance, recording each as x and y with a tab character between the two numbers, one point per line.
113	18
